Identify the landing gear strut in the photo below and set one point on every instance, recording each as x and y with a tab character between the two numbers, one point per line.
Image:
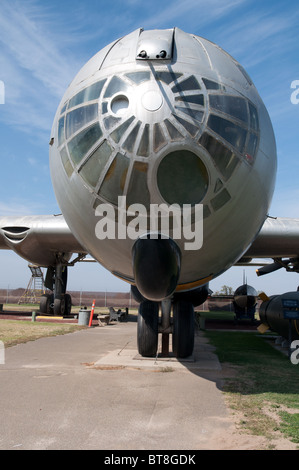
181	326
59	303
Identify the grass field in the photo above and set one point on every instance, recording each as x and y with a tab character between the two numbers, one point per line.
14	332
264	385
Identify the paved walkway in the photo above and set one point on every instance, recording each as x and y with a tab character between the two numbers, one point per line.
91	390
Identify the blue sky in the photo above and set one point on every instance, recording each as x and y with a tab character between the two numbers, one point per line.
44	44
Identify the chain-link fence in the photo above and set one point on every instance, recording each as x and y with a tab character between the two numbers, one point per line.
79	298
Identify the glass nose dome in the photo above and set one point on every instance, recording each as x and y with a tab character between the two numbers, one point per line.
182	178
104	137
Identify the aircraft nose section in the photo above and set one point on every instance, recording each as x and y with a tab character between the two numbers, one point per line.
156	264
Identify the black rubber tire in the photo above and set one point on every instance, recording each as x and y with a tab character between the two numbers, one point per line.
183	329
59	306
147	328
68	304
45	304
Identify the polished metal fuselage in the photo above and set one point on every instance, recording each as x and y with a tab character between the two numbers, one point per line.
142	115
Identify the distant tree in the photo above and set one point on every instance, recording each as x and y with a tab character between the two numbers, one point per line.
225	290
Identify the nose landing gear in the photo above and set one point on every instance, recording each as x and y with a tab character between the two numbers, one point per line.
180	325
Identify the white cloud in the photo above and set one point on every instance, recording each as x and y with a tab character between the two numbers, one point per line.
17	208
32	161
259	35
199	12
35	64
33	45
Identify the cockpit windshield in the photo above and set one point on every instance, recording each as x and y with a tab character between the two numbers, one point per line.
110	147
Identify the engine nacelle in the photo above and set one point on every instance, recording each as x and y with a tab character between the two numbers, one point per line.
272	314
39	239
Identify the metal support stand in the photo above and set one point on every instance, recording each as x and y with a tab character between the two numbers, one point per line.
35	288
166	327
59	283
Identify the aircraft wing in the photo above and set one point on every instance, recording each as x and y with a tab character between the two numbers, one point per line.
39	239
278	239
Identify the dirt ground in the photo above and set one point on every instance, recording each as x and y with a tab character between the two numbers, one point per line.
236	438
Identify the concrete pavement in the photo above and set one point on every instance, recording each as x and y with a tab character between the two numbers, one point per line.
90	390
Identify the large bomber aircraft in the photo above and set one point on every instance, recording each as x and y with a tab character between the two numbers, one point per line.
159	119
